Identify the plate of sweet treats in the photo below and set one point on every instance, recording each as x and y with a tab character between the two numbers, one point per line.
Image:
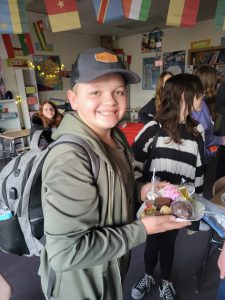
173	200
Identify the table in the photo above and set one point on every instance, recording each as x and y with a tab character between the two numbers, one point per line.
12	136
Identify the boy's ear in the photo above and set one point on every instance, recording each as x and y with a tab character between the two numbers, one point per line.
73	99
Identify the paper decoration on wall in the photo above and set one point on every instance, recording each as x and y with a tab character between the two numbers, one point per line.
63	15
137	9
107	11
152	41
13	17
39	30
47	70
17	62
174	62
26	44
220	15
182	13
6	47
150	73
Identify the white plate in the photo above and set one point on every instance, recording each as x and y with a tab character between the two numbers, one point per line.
198	212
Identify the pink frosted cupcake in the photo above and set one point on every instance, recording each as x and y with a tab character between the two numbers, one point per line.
170	191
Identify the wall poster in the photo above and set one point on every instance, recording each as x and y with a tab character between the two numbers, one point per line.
150	73
47	70
152	41
174	62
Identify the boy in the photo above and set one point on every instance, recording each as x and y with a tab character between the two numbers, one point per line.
89	226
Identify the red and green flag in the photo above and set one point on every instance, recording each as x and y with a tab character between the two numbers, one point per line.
13	17
26	43
62	14
137	9
108	11
182	13
220	15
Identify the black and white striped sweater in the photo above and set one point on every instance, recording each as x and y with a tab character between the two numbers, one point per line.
171	161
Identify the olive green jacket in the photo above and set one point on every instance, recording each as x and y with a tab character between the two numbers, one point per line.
87	239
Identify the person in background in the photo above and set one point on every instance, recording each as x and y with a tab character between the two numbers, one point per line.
178	154
220	108
206	114
148	111
47	119
89	224
221	265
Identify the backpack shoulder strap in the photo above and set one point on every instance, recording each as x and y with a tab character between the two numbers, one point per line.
77	140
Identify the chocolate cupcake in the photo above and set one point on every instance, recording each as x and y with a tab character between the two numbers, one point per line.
182	209
161	201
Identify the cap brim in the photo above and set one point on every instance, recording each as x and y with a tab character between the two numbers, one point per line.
129	76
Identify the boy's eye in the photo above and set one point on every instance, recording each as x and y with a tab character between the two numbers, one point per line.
120	93
95	93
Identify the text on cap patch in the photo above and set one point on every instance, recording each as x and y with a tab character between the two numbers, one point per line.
106	57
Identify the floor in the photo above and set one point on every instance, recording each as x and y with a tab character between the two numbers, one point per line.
21	272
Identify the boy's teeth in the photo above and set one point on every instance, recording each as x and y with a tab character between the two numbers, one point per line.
107	113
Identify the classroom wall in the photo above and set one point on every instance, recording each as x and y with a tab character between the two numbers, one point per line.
67	45
174	39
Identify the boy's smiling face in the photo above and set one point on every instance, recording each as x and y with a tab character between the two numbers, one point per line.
101	103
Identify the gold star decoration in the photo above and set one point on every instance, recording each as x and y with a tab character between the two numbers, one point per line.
3	26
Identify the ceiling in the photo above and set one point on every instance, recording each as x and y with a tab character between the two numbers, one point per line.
124	27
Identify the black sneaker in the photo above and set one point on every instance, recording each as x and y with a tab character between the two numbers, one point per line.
142	287
167	291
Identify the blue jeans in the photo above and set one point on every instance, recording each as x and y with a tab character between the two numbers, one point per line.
221	290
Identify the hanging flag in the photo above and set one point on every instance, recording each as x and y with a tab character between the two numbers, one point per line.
182	13
39	29
63	15
220	15
13	17
26	44
6	47
108	11
137	9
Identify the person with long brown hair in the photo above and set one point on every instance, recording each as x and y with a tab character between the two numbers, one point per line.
206	114
47	119
178	155
148	111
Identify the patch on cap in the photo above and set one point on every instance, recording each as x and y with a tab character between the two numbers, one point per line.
106	57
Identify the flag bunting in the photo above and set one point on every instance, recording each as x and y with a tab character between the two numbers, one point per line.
13	17
6	47
39	30
220	15
26	44
63	15
108	11
137	9
182	13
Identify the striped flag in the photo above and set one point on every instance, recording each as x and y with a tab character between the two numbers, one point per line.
182	13
62	14
26	44
6	47
13	17
220	15
39	29
108	11
137	9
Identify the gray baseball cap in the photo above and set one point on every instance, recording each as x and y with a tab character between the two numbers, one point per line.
96	62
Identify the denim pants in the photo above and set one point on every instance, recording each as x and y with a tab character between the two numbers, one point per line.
221	290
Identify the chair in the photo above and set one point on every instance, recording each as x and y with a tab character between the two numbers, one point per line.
218	185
